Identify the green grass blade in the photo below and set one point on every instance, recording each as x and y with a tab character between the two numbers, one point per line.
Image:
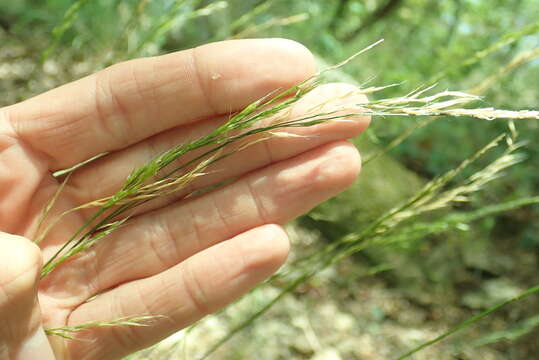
469	322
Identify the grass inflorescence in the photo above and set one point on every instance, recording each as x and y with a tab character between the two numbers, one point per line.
269	117
68	332
400	224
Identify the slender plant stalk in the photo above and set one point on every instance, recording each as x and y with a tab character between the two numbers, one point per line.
470	321
420	230
58	32
247	18
431	197
166	22
507	39
520	59
274	22
397	141
48	209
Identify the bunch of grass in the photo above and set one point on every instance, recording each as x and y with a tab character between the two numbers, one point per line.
269	117
149	182
396	228
401	224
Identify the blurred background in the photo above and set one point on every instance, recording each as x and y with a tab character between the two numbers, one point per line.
379	301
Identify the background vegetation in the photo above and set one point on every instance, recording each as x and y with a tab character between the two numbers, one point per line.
384	300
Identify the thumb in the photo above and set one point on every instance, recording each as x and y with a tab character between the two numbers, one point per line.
21	334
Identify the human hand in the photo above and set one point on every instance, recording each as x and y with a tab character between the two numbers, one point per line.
181	259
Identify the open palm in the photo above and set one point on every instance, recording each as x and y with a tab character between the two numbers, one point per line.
181	259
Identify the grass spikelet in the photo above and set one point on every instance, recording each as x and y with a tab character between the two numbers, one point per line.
84	244
47	210
274	22
68	332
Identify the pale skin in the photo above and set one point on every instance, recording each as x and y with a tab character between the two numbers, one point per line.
182	259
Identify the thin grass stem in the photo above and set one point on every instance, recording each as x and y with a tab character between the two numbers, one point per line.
468	322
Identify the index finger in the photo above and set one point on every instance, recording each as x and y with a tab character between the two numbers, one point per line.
134	100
